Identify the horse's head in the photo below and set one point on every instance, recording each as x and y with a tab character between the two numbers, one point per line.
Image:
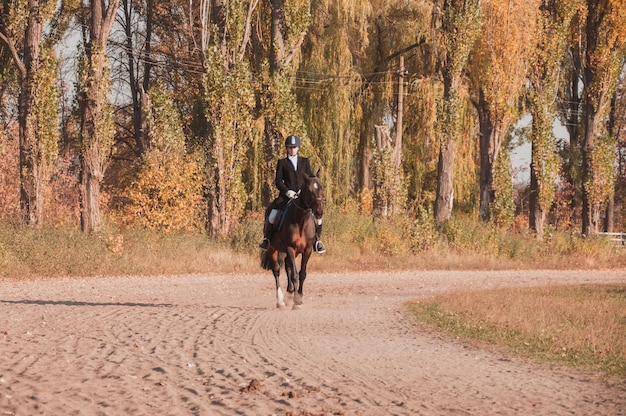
312	195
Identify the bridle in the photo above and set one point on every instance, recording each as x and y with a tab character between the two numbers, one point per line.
316	200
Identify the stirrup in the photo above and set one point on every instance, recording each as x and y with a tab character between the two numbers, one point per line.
319	247
265	244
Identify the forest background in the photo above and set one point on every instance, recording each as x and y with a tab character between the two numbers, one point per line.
170	115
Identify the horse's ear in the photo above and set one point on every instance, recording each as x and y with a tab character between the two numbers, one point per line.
317	174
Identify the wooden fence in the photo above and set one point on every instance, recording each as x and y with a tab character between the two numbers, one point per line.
618	238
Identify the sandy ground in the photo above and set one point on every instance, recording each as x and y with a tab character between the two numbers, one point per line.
217	345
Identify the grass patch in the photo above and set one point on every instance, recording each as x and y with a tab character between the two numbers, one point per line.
27	253
581	326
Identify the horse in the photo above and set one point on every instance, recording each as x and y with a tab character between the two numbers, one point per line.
294	237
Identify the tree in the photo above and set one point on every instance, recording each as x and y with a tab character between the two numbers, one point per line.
328	88
229	101
36	25
96	114
137	49
388	183
498	74
460	23
555	17
281	113
570	106
166	191
616	213
605	41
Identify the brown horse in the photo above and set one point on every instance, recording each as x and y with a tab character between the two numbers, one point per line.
295	236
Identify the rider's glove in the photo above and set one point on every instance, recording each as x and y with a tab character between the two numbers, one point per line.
291	194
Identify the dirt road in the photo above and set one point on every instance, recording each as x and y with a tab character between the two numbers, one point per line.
217	345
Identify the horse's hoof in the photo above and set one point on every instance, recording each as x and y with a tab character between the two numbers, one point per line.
296	306
280	305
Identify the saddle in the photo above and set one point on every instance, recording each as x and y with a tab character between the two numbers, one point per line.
279	225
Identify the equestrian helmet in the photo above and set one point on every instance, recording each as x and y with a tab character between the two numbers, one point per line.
292	141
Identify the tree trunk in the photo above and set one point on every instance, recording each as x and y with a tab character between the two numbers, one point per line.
486	166
445	181
444	199
96	132
365	158
537	215
277	48
218	219
273	141
460	25
31	183
609	217
589	214
570	108
91	216
491	134
138	89
93	157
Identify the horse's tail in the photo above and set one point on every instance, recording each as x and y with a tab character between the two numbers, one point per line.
266	260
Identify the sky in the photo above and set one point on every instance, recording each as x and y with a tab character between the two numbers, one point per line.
521	155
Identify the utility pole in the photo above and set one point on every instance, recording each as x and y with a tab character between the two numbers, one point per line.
397	151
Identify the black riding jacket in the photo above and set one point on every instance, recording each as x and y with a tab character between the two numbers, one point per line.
288	178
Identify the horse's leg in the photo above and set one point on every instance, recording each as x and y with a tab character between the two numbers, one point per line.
292	273
288	271
280	299
289	294
297	296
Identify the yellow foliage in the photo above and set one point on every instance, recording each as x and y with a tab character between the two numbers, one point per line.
366	199
167	194
501	57
167	191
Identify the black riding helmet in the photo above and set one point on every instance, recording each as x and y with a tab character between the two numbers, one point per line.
292	141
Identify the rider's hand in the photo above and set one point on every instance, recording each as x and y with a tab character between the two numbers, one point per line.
291	194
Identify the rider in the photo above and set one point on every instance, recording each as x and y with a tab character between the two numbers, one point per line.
290	173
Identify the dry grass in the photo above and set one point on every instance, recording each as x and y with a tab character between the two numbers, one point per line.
66	252
355	242
582	326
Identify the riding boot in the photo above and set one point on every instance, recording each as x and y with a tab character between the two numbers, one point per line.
319	246
267	233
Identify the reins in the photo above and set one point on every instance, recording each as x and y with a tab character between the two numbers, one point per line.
295	203
305	208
